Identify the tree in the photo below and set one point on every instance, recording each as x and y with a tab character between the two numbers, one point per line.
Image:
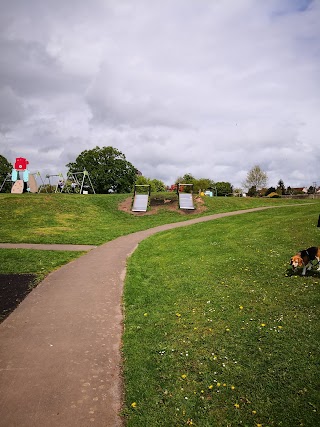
223	188
108	169
281	189
256	178
5	170
269	191
156	185
203	184
311	190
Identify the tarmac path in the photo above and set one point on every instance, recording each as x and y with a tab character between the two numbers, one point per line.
60	350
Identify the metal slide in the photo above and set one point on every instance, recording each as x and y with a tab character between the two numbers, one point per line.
140	201
185	199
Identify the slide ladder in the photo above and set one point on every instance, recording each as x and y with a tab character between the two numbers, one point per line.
140	200
185	199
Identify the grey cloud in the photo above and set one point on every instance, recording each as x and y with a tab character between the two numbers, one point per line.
209	88
12	109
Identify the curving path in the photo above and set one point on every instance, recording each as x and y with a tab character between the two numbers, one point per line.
60	350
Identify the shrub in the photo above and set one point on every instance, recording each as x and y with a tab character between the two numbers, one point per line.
273	195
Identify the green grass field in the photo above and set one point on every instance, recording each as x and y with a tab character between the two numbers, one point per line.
94	219
218	332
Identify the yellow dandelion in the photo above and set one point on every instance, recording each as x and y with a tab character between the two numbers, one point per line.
254	412
236	405
218	384
178	314
133	404
232	387
184	376
210	387
241	307
227	330
189	422
259	425
224	385
263	325
145	314
279	327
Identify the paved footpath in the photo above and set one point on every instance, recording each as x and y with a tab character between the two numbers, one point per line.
60	350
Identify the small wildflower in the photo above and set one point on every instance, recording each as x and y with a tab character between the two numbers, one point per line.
189	422
224	385
279	327
236	405
145	314
178	314
210	387
259	425
133	404
263	325
254	412
184	376
218	384
241	307
232	387
227	330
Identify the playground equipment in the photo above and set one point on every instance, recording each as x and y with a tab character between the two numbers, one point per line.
185	199
48	184
141	200
83	182
21	177
6	179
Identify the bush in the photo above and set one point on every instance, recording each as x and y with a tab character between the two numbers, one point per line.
273	195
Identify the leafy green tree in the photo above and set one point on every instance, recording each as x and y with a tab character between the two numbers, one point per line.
155	184
256	178
223	188
108	169
187	178
203	184
5	169
252	192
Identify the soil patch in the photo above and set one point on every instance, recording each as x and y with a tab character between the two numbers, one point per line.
13	289
160	203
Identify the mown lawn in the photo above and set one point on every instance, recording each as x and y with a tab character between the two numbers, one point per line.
94	219
218	331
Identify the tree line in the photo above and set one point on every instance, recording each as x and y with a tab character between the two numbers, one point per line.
111	172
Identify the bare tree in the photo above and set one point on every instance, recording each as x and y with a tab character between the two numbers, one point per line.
256	178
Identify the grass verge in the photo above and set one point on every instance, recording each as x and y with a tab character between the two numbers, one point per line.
218	332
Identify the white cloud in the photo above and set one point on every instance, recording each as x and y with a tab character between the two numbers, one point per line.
209	88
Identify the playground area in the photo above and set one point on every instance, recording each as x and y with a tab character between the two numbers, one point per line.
159	202
24	181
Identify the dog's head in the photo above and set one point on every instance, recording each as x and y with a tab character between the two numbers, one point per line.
296	261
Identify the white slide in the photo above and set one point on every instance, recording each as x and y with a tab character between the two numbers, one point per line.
140	203
186	201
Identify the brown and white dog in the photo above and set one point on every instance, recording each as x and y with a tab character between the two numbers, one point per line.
304	259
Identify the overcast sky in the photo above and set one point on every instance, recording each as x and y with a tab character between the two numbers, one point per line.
207	87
